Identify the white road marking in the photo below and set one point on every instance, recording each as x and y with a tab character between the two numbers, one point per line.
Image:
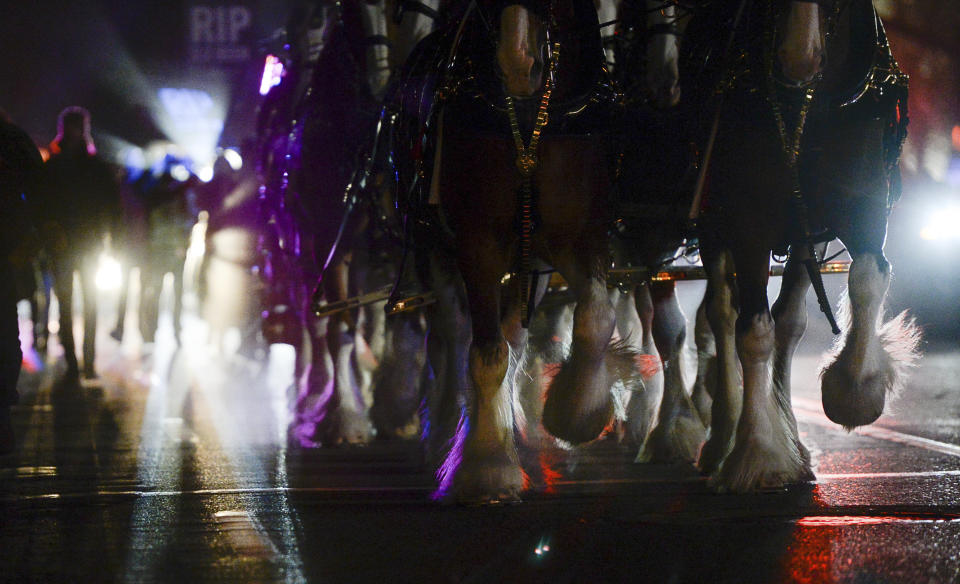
887	475
811	412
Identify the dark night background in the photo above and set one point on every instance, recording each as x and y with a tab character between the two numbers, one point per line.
112	56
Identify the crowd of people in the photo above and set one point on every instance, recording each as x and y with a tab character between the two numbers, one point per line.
63	207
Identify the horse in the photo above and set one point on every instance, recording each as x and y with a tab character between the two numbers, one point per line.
397	341
497	205
314	126
663	420
800	112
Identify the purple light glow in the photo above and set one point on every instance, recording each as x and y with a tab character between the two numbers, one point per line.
451	463
272	74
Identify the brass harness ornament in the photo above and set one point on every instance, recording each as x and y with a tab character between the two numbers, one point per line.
527	162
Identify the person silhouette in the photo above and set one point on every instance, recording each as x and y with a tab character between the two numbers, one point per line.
79	208
20	166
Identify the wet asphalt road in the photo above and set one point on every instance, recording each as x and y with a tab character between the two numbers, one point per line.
172	467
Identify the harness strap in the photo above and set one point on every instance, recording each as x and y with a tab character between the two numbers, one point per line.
527	162
726	60
791	148
404	6
377	39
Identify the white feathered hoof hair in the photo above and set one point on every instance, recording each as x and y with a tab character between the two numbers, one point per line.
679	440
851	402
855	390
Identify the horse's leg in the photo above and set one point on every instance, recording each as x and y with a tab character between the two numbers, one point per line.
720	298
489	468
635	319
368	342
705	384
369	330
679	432
347	420
314	366
373	19
607	12
548	336
579	404
765	453
790	321
446	379
396	383
872	358
517	338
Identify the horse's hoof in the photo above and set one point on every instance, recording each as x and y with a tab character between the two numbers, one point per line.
851	402
488	483
490	500
758	465
805	458
575	427
344	428
678	441
711	456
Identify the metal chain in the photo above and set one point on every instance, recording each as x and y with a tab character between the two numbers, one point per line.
527	163
791	145
527	155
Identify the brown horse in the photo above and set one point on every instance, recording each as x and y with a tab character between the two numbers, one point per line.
517	74
807	136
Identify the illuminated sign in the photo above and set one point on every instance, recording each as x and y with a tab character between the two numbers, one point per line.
217	33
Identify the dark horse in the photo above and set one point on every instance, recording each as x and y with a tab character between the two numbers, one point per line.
521	173
313	126
808	129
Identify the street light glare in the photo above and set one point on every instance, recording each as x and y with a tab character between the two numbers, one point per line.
942	224
109	275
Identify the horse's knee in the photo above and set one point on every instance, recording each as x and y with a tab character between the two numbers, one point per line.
755	339
868	279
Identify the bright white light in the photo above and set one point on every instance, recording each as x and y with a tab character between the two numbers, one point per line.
193	120
109	273
272	74
205	173
233	158
942	225
180	173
